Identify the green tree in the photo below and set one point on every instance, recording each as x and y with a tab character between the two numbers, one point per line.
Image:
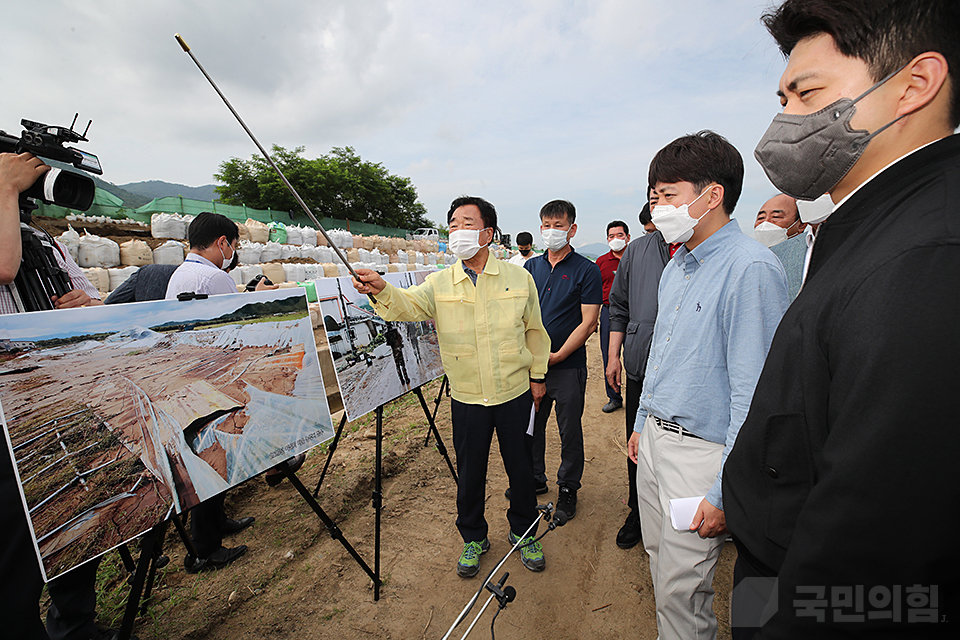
338	185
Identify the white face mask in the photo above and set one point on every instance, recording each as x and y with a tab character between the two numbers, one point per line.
226	263
770	234
617	244
464	243
675	223
816	211
554	239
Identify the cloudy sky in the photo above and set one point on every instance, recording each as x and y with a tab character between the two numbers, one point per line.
519	102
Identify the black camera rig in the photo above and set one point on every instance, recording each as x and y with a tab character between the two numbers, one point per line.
40	276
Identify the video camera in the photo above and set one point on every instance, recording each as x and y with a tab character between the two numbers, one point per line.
63	188
40	276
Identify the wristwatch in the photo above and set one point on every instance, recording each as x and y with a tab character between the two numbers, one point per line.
538	380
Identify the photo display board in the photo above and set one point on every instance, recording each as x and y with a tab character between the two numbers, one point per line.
116	416
375	360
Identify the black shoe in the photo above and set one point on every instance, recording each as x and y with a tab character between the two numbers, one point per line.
232	526
219	558
629	534
541	489
612	406
293	464
567	501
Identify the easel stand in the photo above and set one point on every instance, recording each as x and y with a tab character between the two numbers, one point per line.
145	570
332	528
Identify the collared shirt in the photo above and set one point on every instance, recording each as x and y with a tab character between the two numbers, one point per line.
77	279
492	340
720	305
574	281
521	260
608	264
199	275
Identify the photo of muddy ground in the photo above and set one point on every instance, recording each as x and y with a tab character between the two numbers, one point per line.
106	455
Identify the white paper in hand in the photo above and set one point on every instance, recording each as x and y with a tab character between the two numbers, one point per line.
682	511
533	412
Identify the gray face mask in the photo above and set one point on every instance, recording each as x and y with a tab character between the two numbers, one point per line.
806	156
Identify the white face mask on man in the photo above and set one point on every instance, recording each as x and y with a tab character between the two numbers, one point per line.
770	234
675	223
617	244
464	243
554	239
225	265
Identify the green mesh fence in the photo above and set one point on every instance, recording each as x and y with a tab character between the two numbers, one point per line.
106	204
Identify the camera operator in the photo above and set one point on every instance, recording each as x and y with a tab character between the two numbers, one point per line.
74	596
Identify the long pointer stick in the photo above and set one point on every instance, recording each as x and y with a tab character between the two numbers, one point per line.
296	195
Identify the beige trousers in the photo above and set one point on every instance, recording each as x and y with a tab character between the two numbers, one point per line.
681	563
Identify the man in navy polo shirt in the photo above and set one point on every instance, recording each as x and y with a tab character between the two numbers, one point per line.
571	291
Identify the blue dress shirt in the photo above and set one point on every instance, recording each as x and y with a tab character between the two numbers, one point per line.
719	306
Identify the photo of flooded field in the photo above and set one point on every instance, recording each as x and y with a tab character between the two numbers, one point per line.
375	360
118	415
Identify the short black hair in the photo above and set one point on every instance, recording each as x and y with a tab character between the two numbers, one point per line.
700	159
559	209
618	223
524	237
207	227
645	217
488	212
885	34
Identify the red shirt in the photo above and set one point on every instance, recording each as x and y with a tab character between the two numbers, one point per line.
608	264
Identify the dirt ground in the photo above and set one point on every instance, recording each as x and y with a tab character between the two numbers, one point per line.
297	582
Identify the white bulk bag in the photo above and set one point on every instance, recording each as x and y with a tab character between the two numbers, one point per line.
249	252
167	225
71	240
170	252
118	276
95	251
271	251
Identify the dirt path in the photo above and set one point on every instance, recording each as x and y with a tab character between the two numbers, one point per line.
296	582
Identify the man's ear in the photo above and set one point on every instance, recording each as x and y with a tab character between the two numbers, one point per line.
573	230
928	72
715	200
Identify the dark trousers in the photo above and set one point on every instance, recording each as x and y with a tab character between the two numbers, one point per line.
632	405
565	388
473	427
20	579
749	600
612	393
73	603
206	525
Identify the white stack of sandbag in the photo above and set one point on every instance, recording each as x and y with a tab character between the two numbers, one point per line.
312	271
170	252
294	272
249	252
271	251
168	225
70	239
249	271
309	235
118	276
289	251
95	251
294	235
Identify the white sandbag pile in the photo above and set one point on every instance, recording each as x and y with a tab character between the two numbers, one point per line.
95	251
119	276
271	251
70	239
170	252
249	252
168	225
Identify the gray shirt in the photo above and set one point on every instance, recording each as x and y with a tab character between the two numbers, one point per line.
633	298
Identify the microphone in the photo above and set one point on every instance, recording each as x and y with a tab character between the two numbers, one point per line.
560	518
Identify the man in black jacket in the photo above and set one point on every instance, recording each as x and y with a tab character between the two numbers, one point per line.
842	482
633	312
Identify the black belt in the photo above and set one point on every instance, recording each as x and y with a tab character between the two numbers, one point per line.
673	427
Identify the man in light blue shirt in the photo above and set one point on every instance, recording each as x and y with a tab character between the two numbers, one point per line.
721	298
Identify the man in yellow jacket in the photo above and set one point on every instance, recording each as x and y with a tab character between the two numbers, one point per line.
494	350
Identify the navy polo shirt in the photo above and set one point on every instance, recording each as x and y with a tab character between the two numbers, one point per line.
573	282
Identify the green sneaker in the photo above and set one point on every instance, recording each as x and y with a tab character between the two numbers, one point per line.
532	554
469	563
